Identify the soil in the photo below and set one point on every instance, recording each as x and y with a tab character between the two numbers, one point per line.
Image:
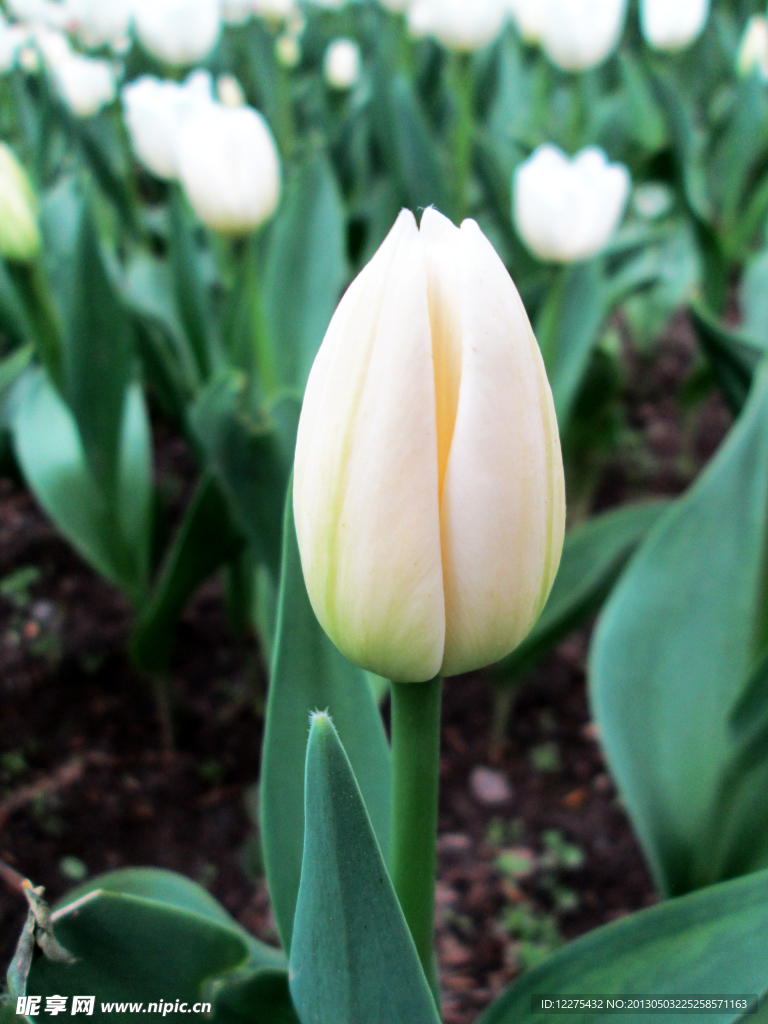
534	846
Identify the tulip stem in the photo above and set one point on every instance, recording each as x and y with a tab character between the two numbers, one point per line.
415	786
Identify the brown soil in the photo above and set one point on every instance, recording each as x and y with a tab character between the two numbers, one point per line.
533	850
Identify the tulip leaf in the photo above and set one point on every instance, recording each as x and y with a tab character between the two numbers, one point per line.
250	458
754	300
192	298
174	890
261	997
205	540
709	942
112	532
14	319
308	672
674	650
568	328
352	957
131	949
732	356
594	556
98	355
305	268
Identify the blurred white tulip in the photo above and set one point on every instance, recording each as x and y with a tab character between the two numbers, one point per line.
673	24
277	10
580	34
40	12
229	91
178	32
19	233
528	16
229	167
54	47
12	39
98	22
342	64
753	51
154	111
567	210
458	24
236	12
86	84
288	49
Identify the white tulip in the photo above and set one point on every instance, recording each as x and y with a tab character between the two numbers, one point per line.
673	24
13	38
99	22
154	113
753	51
528	16
288	49
53	46
229	91
19	233
229	167
580	34
178	32
236	12
40	12
567	210
458	24
342	64
86	84
428	484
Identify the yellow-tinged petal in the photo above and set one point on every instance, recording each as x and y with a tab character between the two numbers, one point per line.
366	477
503	502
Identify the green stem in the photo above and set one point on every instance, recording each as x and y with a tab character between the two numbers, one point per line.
415	787
462	130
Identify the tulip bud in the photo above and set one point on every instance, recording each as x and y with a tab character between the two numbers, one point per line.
178	32
567	210
528	16
753	51
458	24
19	233
98	22
85	84
428	485
229	91
673	25
580	34
229	167
154	113
288	49
342	64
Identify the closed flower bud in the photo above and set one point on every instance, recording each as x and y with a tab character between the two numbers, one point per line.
99	22
342	63
580	34
178	32
458	24
673	25
19	233
288	49
528	16
154	112
229	167
85	84
567	210
753	51
428	483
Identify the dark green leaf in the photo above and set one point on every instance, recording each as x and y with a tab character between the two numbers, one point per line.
594	556
204	541
15	322
192	298
352	957
733	357
754	300
710	942
308	672
674	649
305	269
259	998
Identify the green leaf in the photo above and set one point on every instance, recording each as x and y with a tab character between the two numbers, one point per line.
259	998
250	457
594	556
305	268
740	145
111	532
674	649
204	541
733	357
754	300
174	890
192	299
568	327
134	949
708	942
352	957
98	355
15	323
308	672
645	117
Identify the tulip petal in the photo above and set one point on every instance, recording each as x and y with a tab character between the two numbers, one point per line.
503	502
366	479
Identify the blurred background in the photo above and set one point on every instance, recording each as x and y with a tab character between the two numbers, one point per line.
186	189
